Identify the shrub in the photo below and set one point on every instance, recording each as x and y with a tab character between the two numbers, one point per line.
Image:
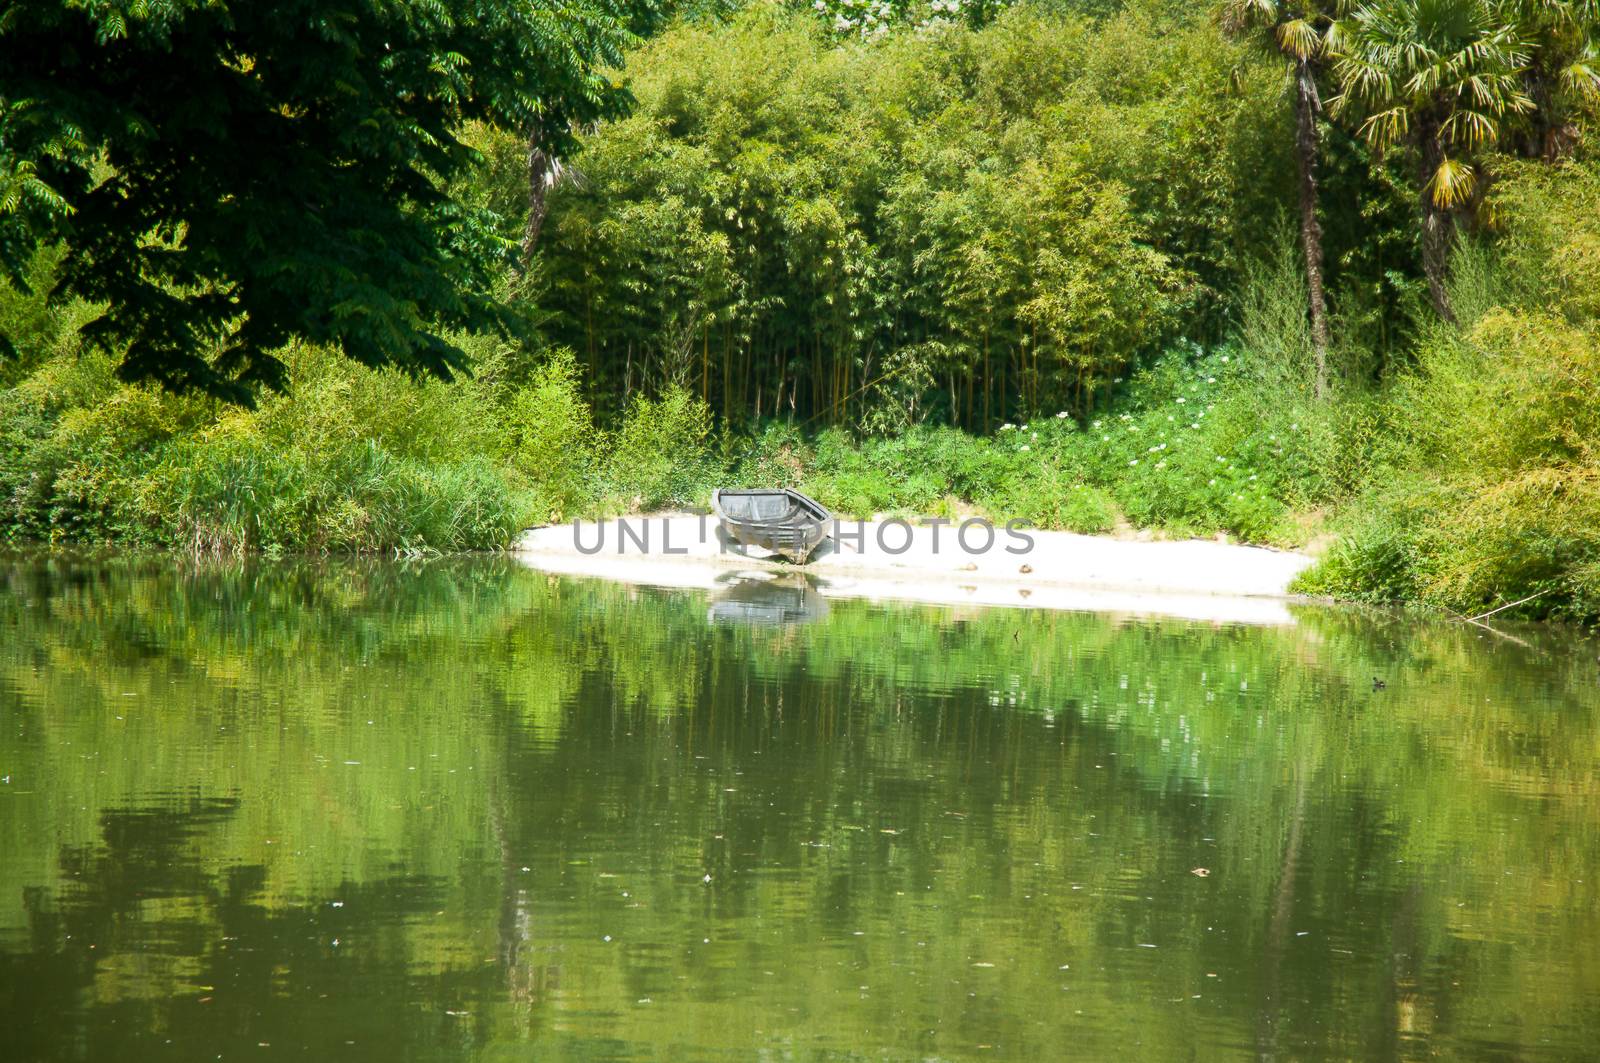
1048	503
662	455
551	439
777	456
73	444
1495	493
1549	222
233	490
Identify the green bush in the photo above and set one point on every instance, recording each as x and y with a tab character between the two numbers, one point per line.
777	456
73	445
916	472
1380	552
662	454
551	439
234	491
1492	491
1048	503
337	467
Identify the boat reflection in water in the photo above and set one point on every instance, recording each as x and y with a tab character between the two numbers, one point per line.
764	599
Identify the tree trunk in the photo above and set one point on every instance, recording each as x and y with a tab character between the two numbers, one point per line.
1307	104
1548	133
539	167
1438	229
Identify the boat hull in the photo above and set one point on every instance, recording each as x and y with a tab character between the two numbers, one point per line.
782	521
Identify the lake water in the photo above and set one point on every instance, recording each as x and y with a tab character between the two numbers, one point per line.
463	810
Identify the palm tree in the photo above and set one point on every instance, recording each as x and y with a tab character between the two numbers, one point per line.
1563	70
1295	30
1442	78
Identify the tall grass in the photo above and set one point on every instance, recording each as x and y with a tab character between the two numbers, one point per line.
355	461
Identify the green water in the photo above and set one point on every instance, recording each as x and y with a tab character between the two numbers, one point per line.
462	810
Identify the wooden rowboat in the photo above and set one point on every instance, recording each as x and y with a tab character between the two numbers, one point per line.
781	520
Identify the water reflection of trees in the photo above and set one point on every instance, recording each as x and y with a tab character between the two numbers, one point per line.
148	950
886	770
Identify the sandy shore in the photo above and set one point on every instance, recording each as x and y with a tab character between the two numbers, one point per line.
940	564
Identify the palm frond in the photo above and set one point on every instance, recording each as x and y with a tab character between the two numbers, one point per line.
1581	79
1299	38
1452	183
1386	127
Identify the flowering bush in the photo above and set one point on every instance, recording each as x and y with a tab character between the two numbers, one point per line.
872	19
1188	449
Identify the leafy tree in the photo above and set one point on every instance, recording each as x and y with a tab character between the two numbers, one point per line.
1296	31
229	177
1442	78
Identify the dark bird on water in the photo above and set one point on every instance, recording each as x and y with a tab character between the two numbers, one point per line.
1378	684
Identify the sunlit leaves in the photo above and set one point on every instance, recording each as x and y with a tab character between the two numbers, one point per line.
1443	75
232	177
1452	182
1013	207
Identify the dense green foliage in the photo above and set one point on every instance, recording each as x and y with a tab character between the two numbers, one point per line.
1488	472
969	226
231	177
354	460
1034	263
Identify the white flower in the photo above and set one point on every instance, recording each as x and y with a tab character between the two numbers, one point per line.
1007	427
1224	358
1135	461
1195	425
1182	399
1105	439
1061	416
1023	448
1211	482
1211	380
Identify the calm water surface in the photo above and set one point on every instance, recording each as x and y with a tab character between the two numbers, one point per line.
462	810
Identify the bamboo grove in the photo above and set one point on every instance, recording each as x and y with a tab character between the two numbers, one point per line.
958	225
981	225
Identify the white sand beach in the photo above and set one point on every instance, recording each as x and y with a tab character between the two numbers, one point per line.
943	564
